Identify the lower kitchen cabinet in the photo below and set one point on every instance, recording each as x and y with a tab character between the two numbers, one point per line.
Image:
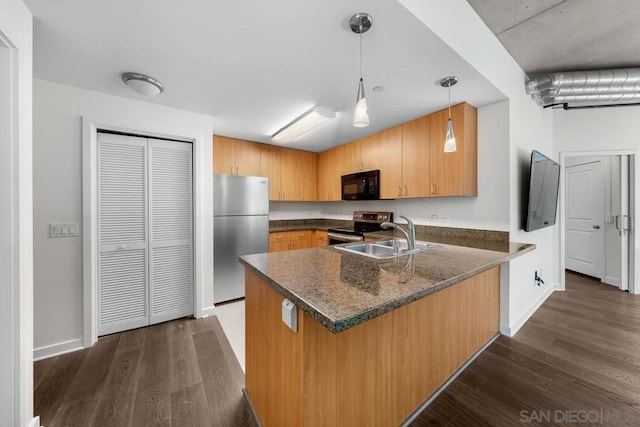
320	238
288	240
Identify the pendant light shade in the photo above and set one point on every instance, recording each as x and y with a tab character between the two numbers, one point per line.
450	137
360	23
361	114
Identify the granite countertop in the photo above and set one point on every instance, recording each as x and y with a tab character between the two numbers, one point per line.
307	224
341	290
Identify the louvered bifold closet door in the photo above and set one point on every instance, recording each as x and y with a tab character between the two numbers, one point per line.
171	230
123	301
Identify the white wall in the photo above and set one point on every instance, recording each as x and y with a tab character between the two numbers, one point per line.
58	112
16	244
530	127
602	129
488	211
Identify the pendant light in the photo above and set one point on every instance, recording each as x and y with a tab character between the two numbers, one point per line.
450	137
360	23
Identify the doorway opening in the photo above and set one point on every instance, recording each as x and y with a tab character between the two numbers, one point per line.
597	208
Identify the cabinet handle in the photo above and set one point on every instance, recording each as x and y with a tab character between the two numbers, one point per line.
433	188
405	190
399	191
231	170
237	170
280	237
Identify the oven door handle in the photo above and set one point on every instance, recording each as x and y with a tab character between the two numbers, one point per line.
344	237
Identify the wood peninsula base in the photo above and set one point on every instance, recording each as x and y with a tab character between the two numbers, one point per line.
374	374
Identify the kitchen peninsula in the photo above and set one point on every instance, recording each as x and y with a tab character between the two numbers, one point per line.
375	338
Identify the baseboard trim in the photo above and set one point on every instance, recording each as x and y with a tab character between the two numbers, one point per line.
35	422
57	349
207	311
513	328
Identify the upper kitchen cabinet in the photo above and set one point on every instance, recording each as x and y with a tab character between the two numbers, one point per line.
360	155
235	157
391	163
415	158
329	175
291	173
454	174
299	175
271	167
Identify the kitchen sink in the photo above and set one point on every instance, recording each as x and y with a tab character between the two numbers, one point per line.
385	249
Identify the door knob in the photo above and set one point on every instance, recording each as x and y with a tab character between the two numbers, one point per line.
596	227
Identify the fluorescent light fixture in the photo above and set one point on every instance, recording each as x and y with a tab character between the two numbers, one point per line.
143	84
303	124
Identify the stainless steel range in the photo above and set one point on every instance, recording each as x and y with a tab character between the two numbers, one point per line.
363	222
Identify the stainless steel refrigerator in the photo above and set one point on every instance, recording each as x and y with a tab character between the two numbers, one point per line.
240	227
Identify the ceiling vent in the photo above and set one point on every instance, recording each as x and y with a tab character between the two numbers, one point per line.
586	89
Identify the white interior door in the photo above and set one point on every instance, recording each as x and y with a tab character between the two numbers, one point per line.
123	299
585	219
171	230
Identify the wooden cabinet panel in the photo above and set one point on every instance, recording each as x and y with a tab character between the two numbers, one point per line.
290	172
369	152
235	156
247	158
284	245
320	238
224	155
287	240
271	167
391	163
415	158
308	176
301	244
454	174
347	157
329	175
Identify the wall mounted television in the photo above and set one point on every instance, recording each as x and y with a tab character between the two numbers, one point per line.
544	180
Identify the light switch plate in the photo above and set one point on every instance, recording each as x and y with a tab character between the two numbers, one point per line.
290	315
67	229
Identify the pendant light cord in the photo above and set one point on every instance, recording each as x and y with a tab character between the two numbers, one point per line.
449	102
360	50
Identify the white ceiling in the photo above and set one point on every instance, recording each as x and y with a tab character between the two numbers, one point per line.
565	35
255	66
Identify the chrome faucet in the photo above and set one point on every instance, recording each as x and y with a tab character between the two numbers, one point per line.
410	236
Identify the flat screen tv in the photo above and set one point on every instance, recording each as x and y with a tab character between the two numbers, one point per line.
544	179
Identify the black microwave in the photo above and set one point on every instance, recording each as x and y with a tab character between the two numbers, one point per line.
361	186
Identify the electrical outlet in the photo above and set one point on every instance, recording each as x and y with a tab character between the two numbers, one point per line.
537	277
290	315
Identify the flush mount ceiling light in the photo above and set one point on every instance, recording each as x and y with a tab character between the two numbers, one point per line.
586	89
143	84
450	137
360	23
303	124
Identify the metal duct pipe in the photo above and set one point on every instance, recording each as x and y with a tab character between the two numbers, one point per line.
610	86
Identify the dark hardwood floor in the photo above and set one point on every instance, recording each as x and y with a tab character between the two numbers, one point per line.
181	373
575	362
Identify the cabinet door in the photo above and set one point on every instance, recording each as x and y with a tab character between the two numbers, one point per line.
329	175
279	246
369	152
321	238
271	167
291	171
247	158
391	163
301	244
453	174
224	155
309	176
347	156
415	158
